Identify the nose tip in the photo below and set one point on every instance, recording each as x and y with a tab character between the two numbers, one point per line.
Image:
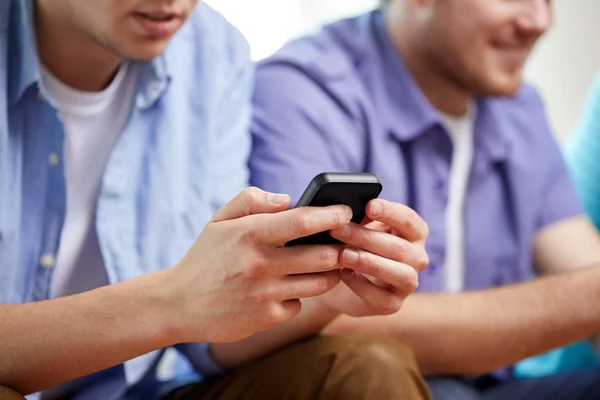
537	19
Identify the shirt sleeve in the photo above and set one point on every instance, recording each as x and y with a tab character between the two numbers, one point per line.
199	356
300	129
582	153
559	200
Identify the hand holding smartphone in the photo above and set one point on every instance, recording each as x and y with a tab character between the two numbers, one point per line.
330	188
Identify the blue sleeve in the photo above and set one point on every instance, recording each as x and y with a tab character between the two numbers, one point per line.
300	130
198	354
582	152
559	200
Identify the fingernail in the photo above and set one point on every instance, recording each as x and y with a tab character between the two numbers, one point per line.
347	274
350	257
376	209
278	198
342	232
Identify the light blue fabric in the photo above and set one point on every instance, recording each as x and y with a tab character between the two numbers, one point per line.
182	154
574	357
582	154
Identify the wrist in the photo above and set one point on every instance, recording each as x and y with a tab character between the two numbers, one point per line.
162	306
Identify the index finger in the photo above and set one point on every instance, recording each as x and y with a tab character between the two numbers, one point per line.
299	222
404	220
250	201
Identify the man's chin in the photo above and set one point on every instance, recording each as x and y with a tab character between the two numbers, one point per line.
503	87
145	52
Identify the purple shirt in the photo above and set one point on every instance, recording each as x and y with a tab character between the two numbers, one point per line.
343	100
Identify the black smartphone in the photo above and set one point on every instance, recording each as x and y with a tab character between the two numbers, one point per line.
330	188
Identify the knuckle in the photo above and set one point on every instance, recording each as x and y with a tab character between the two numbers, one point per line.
244	200
249	236
324	284
391	305
370	265
247	198
399	250
259	297
302	224
328	257
407	225
275	315
264	296
257	268
422	262
409	283
413	280
339	216
418	224
252	191
251	194
365	237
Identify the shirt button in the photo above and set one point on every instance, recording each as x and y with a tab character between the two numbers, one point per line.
432	268
53	159
47	261
155	86
440	184
40	95
498	281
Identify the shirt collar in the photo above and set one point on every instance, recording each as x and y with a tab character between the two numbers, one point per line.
410	114
24	65
492	129
154	81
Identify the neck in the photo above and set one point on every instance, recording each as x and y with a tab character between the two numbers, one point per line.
69	54
442	93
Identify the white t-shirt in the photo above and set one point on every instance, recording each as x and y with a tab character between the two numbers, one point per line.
461	130
92	122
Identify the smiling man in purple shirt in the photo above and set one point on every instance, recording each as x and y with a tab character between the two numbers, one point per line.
428	95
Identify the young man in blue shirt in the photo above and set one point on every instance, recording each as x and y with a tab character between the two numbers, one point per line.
428	95
124	126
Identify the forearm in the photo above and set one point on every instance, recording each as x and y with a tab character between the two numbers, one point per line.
310	321
50	342
476	332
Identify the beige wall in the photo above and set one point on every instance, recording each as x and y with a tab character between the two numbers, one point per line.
566	61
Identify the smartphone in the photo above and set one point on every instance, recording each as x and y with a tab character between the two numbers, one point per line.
330	188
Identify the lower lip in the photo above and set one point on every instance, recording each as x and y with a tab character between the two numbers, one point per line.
510	61
156	28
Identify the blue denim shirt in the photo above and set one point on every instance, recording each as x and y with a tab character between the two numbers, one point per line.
349	103
182	154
